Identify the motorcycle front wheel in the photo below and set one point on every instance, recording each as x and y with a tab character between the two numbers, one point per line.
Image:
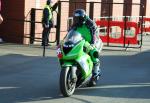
67	87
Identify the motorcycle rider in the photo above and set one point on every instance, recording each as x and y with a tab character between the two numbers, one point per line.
80	19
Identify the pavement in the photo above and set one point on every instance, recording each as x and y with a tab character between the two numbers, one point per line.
28	77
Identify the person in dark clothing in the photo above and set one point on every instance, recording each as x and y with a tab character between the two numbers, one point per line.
47	21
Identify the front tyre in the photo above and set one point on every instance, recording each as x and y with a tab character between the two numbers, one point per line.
67	87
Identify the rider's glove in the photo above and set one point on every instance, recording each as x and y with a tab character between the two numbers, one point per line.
93	46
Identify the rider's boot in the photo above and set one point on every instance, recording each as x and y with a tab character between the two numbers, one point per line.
96	71
96	74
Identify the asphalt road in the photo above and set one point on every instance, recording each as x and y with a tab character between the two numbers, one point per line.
27	77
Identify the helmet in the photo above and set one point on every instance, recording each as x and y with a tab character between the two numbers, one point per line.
48	2
79	17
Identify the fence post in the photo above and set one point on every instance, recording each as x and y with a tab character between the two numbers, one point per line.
125	25
91	10
143	7
108	28
58	23
32	26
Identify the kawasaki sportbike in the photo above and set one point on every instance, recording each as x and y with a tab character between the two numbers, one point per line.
76	64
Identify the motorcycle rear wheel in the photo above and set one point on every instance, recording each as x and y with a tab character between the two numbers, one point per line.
67	87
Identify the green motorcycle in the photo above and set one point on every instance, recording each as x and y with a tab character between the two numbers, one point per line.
76	64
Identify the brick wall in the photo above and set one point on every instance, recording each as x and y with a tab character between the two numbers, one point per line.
64	18
14	28
117	11
11	30
38	4
118	8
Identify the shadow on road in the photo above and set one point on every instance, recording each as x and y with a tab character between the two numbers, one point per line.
123	77
33	78
28	78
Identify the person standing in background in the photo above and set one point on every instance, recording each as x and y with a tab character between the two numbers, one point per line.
47	21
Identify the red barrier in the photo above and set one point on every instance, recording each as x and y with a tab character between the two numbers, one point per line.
146	27
119	24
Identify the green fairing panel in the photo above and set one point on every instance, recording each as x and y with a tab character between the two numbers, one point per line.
67	63
75	52
85	32
86	64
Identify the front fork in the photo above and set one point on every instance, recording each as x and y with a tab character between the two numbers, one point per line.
73	74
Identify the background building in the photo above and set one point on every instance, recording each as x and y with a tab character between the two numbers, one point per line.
17	13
